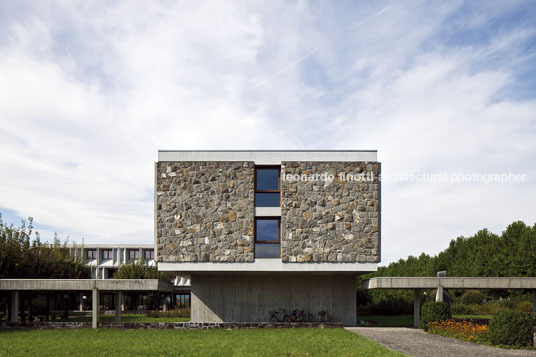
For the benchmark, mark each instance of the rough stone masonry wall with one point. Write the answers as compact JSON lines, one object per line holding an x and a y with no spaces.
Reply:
{"x":330,"y":222}
{"x":205,"y":211}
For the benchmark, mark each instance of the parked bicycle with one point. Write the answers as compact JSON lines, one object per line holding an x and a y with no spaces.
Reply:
{"x":322,"y":316}
{"x":280,"y":315}
{"x":302,"y":316}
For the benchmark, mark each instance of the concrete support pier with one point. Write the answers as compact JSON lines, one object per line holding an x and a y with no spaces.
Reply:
{"x":416,"y":307}
{"x":250,"y":297}
{"x":95,"y":308}
{"x":117,"y":303}
{"x":14,"y":316}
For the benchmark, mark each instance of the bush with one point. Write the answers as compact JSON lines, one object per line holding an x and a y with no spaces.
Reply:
{"x":472,"y":297}
{"x":462,"y":309}
{"x":486,"y":309}
{"x":184,"y":312}
{"x":433,"y":311}
{"x":524,"y":306}
{"x":387,"y":307}
{"x":510,"y":327}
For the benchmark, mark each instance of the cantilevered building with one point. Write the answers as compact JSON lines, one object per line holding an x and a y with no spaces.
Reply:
{"x":264,"y":230}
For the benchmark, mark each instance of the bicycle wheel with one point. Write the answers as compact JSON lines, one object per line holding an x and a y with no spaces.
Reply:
{"x":273,"y":319}
{"x":286,"y":318}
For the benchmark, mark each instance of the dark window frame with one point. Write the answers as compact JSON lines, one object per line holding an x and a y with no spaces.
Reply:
{"x":278,"y":231}
{"x":133,"y":251}
{"x":272,"y":167}
{"x":261,"y":167}
{"x":93,"y":254}
{"x":110,"y":256}
{"x":145,"y":251}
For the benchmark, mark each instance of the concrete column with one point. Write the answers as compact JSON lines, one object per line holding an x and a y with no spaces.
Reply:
{"x":439,"y":294}
{"x":81,"y":301}
{"x":533,"y":301}
{"x":118,"y":300}
{"x":416,"y":308}
{"x":14,"y":306}
{"x":95,"y":310}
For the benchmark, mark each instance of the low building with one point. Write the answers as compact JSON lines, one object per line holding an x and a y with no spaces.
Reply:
{"x":105,"y":259}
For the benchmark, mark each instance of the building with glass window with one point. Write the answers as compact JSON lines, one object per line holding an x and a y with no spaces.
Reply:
{"x":105,"y":259}
{"x":264,"y":230}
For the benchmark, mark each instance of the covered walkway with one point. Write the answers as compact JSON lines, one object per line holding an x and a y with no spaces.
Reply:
{"x":465,"y":283}
{"x":118,"y":286}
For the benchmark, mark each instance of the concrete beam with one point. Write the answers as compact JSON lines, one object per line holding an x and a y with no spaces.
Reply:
{"x":269,"y":157}
{"x":416,"y":308}
{"x":481,"y":283}
{"x":95,"y":309}
{"x":268,"y":266}
{"x":86,"y":284}
{"x":14,"y":307}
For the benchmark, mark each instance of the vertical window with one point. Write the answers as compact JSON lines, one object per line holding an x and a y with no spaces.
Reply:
{"x":267,"y":186}
{"x":133,"y":254}
{"x":106,"y":254}
{"x":91,"y":254}
{"x":148,"y":254}
{"x":267,"y":237}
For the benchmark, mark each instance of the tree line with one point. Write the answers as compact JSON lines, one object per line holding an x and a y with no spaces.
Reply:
{"x":23,"y":256}
{"x":485,"y":254}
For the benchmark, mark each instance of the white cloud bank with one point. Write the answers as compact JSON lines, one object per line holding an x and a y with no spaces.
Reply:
{"x":89,"y":92}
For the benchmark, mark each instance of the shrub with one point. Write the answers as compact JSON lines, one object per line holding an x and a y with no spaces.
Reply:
{"x":486,"y":309}
{"x":183,"y":312}
{"x":472,"y":297}
{"x":524,"y":306}
{"x":510,"y":327}
{"x":462,"y":309}
{"x":463,"y":330}
{"x":433,"y":311}
{"x":387,"y":307}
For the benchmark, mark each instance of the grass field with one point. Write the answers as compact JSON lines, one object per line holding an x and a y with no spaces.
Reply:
{"x":257,"y":342}
{"x":127,"y":318}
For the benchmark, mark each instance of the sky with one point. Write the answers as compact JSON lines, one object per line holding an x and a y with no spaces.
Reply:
{"x":90,"y":91}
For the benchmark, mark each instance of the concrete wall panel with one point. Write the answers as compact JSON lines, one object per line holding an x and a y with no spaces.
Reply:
{"x":249,"y":298}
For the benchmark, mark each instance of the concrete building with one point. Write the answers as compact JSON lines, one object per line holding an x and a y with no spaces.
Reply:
{"x":265,"y":230}
{"x":105,"y":259}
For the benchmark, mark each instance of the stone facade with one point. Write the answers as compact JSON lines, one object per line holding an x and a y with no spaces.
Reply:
{"x":330,"y":221}
{"x":205,"y":211}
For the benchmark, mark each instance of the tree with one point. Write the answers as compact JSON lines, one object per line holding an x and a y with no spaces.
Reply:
{"x":23,"y":257}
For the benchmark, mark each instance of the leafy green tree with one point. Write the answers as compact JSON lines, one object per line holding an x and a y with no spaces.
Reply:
{"x":139,"y":269}
{"x":23,"y":257}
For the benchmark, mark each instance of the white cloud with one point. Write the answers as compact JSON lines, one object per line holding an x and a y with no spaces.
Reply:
{"x":90,"y":91}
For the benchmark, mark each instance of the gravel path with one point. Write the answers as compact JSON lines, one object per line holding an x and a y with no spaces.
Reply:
{"x":414,"y":342}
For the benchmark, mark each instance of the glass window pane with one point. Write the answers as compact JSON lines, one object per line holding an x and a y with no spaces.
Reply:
{"x":267,"y":200}
{"x":267,"y":179}
{"x":267,"y":230}
{"x":267,"y":251}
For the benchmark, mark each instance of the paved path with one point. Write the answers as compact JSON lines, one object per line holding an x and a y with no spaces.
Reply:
{"x":414,"y":342}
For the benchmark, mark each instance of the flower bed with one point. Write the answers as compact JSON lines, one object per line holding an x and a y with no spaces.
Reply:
{"x":462,"y":330}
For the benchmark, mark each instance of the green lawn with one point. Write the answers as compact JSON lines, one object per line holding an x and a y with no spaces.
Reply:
{"x":255,"y":342}
{"x":127,"y":318}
